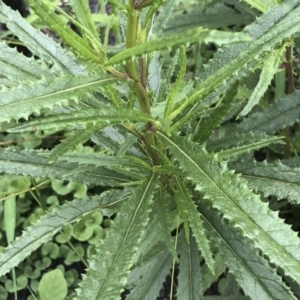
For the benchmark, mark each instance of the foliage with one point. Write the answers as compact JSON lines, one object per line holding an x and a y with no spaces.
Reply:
{"x":161,"y":115}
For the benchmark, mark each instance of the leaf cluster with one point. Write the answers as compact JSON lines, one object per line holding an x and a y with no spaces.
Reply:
{"x":173,"y":145}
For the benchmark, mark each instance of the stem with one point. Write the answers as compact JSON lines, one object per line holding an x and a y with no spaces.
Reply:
{"x":138,"y":88}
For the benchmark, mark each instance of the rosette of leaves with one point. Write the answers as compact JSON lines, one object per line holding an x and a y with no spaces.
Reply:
{"x":167,"y":151}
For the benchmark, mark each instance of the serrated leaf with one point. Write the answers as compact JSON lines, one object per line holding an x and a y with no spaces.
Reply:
{"x":269,"y":69}
{"x":149,"y":277}
{"x":73,"y":140}
{"x":31,"y":163}
{"x":83,"y":15}
{"x":234,"y":139}
{"x":189,"y":36}
{"x":247,"y":148}
{"x":271,"y":178}
{"x":56,"y":24}
{"x":161,"y":20}
{"x":48,"y":225}
{"x":108,"y":270}
{"x":189,"y":278}
{"x":83,"y":118}
{"x":261,"y":5}
{"x":214,"y":120}
{"x":227,"y":193}
{"x":18,"y":67}
{"x":98,"y":160}
{"x":25,"y":99}
{"x":39,"y":43}
{"x":251,"y":270}
{"x":268,"y":120}
{"x":235,"y":61}
{"x":179,"y":80}
{"x":161,"y":208}
{"x":208,"y":18}
{"x":188,"y":208}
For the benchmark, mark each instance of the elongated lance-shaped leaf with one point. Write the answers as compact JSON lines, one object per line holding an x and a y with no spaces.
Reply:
{"x":17,"y":67}
{"x":261,"y":5}
{"x":271,"y":178}
{"x":268,"y":120}
{"x":38,"y":43}
{"x":31,"y":163}
{"x":189,"y":278}
{"x":108,"y":270}
{"x":82,"y":118}
{"x":152,"y":234}
{"x":235,"y":61}
{"x":236,"y":140}
{"x":105,"y":160}
{"x":239,"y":150}
{"x":25,"y":99}
{"x":165,"y":81}
{"x":148,"y":278}
{"x":161,"y":20}
{"x":178,"y":82}
{"x":83,"y":15}
{"x":73,"y":140}
{"x":269,"y":69}
{"x":164,"y":222}
{"x":208,"y":18}
{"x":56,"y":24}
{"x":48,"y":225}
{"x":253,"y":272}
{"x":196,"y":35}
{"x":214,"y":120}
{"x":227,"y":193}
{"x":187,"y":207}
{"x":129,"y":142}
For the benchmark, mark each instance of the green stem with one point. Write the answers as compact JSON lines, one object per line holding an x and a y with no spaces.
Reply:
{"x":138,"y":88}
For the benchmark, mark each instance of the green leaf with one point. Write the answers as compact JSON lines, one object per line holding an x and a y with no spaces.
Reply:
{"x":148,"y":278}
{"x":53,"y":285}
{"x":215,"y":119}
{"x":187,"y":207}
{"x":108,"y":270}
{"x":237,"y":140}
{"x":189,"y":278}
{"x":160,"y":206}
{"x":235,"y":61}
{"x":208,"y":18}
{"x":179,"y":80}
{"x":196,"y":35}
{"x":227,"y":193}
{"x":271,"y":179}
{"x":25,"y":99}
{"x":152,"y":234}
{"x":248,"y":147}
{"x":97,"y":160}
{"x":83,"y":118}
{"x":161,"y":20}
{"x":261,"y":5}
{"x":83,"y":15}
{"x":251,"y":270}
{"x":48,"y":225}
{"x":31,"y":163}
{"x":18,"y":67}
{"x":73,"y":140}
{"x":270,"y":67}
{"x":39,"y":43}
{"x":268,"y":120}
{"x":56,"y":24}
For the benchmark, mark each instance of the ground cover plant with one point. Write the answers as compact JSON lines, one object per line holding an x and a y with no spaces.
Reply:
{"x":178,"y":123}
